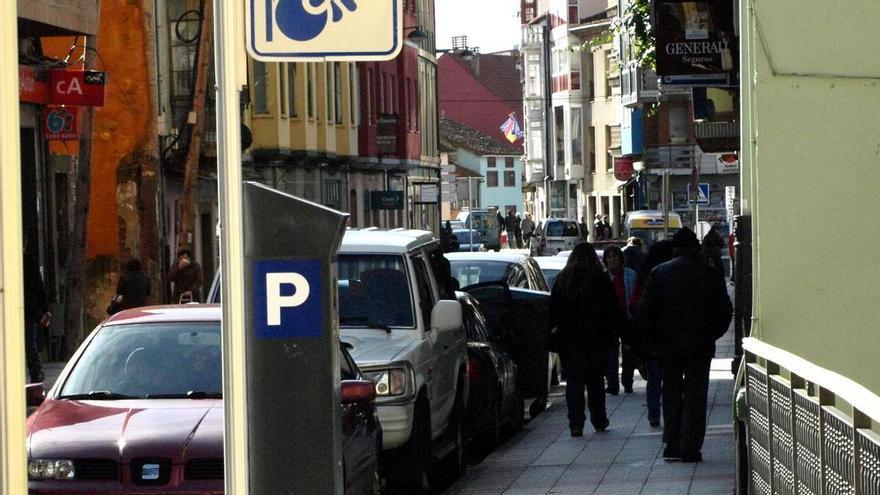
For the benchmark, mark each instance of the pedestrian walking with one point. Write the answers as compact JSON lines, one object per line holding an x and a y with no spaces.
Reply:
{"x":621,"y":355}
{"x":186,"y":275}
{"x":633,"y":254}
{"x":36,"y":314}
{"x":585,"y":229}
{"x":660,"y":252}
{"x":518,"y":232}
{"x":585,"y":316}
{"x":684,"y":309}
{"x":510,"y":225}
{"x":528,"y":229}
{"x":133,"y":287}
{"x":597,"y":225}
{"x":711,"y":249}
{"x":603,"y":230}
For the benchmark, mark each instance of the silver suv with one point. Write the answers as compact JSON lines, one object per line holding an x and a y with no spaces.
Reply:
{"x":399,"y":314}
{"x":556,"y":234}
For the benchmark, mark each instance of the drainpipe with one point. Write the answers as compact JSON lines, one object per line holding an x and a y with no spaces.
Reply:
{"x":549,"y":164}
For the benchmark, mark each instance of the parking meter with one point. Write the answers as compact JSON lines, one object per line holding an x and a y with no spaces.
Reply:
{"x":292,"y":343}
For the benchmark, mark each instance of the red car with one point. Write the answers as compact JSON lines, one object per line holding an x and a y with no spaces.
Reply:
{"x":139,"y":409}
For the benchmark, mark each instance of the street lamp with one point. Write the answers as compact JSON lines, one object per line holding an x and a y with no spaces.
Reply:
{"x":417,"y":34}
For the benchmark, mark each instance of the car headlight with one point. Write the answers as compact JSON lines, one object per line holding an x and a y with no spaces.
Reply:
{"x":51,"y":469}
{"x":389,"y":382}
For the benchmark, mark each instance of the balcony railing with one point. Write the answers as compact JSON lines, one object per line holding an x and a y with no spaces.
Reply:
{"x":716,"y":137}
{"x":798,"y":440}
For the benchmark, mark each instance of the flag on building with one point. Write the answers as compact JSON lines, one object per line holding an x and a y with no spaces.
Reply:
{"x":511,"y":129}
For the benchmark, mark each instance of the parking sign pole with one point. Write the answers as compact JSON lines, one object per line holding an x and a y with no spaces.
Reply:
{"x":228,"y":40}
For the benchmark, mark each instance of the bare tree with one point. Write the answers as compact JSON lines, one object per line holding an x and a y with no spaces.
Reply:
{"x":196,"y":120}
{"x":75,"y":286}
{"x":148,"y":177}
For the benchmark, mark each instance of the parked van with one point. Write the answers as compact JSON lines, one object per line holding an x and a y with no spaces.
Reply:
{"x":486,"y":223}
{"x":650,"y":225}
{"x":555,"y":235}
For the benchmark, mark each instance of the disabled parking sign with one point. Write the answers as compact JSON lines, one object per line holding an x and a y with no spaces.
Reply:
{"x":316,"y":30}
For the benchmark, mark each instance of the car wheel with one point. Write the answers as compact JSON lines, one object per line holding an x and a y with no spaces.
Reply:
{"x":537,"y":407}
{"x":413,"y":460}
{"x":376,"y":485}
{"x":454,"y":465}
{"x":518,"y":419}
{"x":555,"y":376}
{"x":494,"y":432}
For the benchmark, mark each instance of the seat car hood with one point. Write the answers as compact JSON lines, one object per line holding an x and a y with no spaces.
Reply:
{"x":177,"y":429}
{"x":376,"y":346}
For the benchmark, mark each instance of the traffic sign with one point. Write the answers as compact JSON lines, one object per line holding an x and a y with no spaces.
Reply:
{"x":702,"y":196}
{"x":287,"y":299}
{"x":311,"y":30}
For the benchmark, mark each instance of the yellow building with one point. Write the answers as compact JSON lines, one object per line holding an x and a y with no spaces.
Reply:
{"x":304,"y":120}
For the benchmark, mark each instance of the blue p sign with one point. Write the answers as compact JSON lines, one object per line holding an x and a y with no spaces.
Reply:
{"x":287,"y":299}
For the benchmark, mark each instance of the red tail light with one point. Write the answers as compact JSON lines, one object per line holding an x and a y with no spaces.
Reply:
{"x":473,"y":369}
{"x":357,"y":390}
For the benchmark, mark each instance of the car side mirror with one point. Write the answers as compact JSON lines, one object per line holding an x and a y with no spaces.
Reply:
{"x":446,"y":316}
{"x":34,"y":394}
{"x":357,"y":391}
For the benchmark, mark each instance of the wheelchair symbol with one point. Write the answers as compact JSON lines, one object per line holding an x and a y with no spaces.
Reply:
{"x":303,"y":20}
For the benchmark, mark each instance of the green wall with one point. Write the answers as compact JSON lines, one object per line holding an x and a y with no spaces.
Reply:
{"x":811,"y":152}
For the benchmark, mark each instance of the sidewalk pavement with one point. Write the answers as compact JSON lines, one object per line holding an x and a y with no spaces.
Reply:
{"x":627,"y":459}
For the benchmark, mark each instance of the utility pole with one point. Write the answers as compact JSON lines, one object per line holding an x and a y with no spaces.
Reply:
{"x":196,"y":120}
{"x":148,"y":189}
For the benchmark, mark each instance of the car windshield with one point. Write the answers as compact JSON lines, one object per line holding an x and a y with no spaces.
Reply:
{"x":470,"y":272}
{"x":562,"y":229}
{"x":374,"y":290}
{"x":650,"y":236}
{"x":153,"y":360}
{"x":466,"y":236}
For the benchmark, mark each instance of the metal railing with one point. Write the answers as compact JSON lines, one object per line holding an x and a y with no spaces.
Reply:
{"x":799,"y":442}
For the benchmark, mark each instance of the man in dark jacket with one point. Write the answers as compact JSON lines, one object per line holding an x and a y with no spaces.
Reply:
{"x":511,"y":224}
{"x":36,"y":314}
{"x":683,"y":310}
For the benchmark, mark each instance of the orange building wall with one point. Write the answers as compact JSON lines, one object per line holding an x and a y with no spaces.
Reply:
{"x":123,"y":124}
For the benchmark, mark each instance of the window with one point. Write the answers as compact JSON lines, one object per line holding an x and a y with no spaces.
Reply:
{"x":329,"y":91}
{"x":508,"y":162}
{"x":575,"y":80}
{"x":261,"y":91}
{"x":608,"y":161}
{"x":337,"y":91}
{"x":331,"y":195}
{"x":310,"y":90}
{"x":592,"y":145}
{"x":282,"y":75}
{"x":368,"y":100}
{"x":509,"y":178}
{"x":491,"y":178}
{"x":291,"y":90}
{"x":353,"y":94}
{"x":577,"y":138}
{"x":426,"y":297}
{"x":573,"y":14}
{"x":381,"y":89}
{"x":490,"y":161}
{"x":559,"y":114}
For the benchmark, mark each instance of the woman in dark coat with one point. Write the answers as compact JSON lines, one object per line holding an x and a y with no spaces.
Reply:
{"x":585,"y":311}
{"x":134,"y":286}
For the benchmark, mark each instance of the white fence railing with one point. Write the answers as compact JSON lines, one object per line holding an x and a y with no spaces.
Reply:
{"x":799,"y":442}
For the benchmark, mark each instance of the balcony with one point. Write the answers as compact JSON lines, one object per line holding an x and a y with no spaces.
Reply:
{"x":534,"y":171}
{"x":675,"y":156}
{"x":637,"y":86}
{"x":715,"y":137}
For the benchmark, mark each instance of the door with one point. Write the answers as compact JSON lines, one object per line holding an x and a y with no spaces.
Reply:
{"x":518,"y":321}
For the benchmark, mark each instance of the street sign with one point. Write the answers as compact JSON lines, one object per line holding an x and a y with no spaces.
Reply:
{"x":59,"y":124}
{"x":386,"y":200}
{"x":702,"y":198}
{"x":311,"y":30}
{"x":79,"y":88}
{"x":282,"y":306}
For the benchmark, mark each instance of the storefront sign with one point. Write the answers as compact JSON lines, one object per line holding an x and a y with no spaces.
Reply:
{"x":695,"y":37}
{"x":430,"y":193}
{"x":77,"y":87}
{"x":386,"y":133}
{"x":31,"y":89}
{"x":386,"y":200}
{"x":728,"y":163}
{"x":623,"y":167}
{"x":60,"y":124}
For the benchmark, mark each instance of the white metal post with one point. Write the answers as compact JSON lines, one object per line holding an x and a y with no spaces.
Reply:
{"x":13,"y":469}
{"x":228,"y":42}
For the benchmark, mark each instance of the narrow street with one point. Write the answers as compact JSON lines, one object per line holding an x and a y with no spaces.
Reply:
{"x":627,"y":459}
